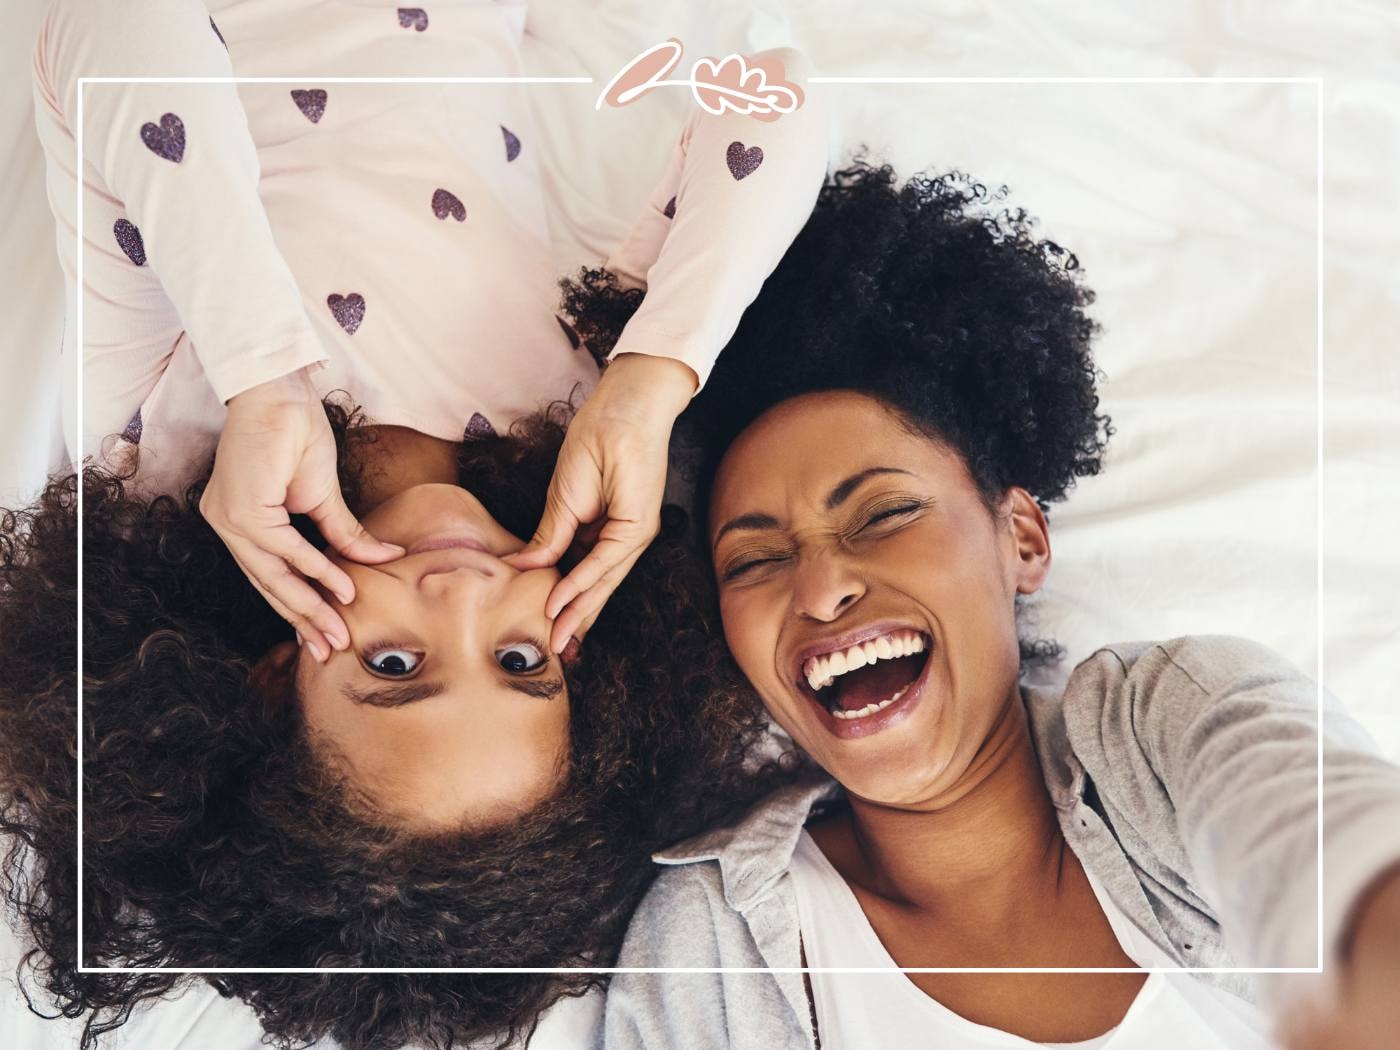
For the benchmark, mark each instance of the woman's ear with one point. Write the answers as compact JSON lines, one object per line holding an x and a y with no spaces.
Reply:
{"x":273,"y":677}
{"x":1030,"y":534}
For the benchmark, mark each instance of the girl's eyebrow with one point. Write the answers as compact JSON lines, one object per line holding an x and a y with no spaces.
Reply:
{"x":540,"y":688}
{"x":394,"y":695}
{"x":398,"y":695}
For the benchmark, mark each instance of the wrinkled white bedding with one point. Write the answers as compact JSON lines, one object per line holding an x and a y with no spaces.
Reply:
{"x":1192,"y":208}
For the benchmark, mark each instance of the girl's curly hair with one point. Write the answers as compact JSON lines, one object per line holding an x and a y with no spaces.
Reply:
{"x":926,"y":297}
{"x":214,"y":834}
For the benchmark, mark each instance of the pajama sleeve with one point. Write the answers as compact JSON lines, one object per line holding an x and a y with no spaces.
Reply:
{"x":736,"y":192}
{"x":179,"y":159}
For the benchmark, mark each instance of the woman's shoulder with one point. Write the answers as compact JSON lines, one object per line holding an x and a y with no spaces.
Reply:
{"x":704,"y":914}
{"x":712,"y":885}
{"x":1205,"y":663}
{"x":682,"y":920}
{"x":1141,"y":697}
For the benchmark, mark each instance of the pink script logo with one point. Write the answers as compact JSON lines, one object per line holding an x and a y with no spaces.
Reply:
{"x":756,"y":87}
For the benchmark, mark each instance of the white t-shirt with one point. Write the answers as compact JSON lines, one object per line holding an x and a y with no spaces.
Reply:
{"x":872,"y":1010}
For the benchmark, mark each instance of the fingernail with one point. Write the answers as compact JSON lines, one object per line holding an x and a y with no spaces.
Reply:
{"x":395,"y":547}
{"x":345,"y":597}
{"x":335,"y":639}
{"x":317,"y":652}
{"x":300,"y":641}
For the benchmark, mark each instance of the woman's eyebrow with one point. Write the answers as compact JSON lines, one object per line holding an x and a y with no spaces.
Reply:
{"x":838,"y":496}
{"x":855,"y":481}
{"x":394,"y":695}
{"x":746,"y":521}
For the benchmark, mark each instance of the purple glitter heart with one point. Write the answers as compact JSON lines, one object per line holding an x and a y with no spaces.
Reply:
{"x":743,"y":162}
{"x":167,"y":140}
{"x":348,"y":310}
{"x":311,"y":103}
{"x":218,"y":34}
{"x":512,"y":143}
{"x":478,"y":427}
{"x":129,"y":241}
{"x":413,"y":18}
{"x":670,"y":209}
{"x":574,"y":340}
{"x":445,"y":204}
{"x":132,"y":433}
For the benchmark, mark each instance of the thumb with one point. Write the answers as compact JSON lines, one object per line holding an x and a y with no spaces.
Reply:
{"x":551,"y":539}
{"x":345,"y":533}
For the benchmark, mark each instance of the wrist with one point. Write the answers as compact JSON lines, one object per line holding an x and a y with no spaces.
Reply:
{"x":1372,"y":943}
{"x":661,"y":387}
{"x":293,"y":387}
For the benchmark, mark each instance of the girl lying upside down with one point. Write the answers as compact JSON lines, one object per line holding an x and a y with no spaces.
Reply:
{"x":444,"y":794}
{"x":430,"y":778}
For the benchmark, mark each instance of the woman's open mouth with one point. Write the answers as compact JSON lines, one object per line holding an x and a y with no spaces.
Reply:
{"x":868,"y":685}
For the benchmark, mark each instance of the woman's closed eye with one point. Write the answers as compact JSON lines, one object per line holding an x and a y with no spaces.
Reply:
{"x":748,"y":560}
{"x":885,"y":511}
{"x":888,"y":510}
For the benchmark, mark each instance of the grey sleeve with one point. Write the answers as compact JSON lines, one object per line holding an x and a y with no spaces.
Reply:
{"x":1225,"y":731}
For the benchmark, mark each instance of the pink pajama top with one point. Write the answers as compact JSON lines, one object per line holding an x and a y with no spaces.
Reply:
{"x":392,"y":235}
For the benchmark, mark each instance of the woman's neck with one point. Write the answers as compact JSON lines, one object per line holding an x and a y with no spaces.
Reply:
{"x":989,"y":850}
{"x":398,"y":458}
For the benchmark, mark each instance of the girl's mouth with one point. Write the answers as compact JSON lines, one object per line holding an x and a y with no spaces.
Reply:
{"x":870,"y":685}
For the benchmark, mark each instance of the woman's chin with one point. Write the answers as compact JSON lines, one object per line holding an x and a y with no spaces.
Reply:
{"x":901,"y":774}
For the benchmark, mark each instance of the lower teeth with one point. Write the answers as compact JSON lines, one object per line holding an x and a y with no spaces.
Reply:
{"x":869,"y":709}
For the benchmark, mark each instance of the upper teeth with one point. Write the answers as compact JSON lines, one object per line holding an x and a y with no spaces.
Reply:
{"x":821,"y":671}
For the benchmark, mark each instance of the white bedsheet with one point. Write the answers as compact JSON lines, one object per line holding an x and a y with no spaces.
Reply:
{"x":1192,"y":208}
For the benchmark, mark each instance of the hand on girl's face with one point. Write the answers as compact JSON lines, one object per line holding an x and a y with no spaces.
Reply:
{"x":276,"y":457}
{"x":607,"y":487}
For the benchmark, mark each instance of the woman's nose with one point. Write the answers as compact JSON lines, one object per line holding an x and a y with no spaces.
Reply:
{"x":825,"y":585}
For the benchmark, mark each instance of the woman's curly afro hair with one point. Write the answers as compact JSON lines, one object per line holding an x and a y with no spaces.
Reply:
{"x":216,"y":836}
{"x":926,"y":296}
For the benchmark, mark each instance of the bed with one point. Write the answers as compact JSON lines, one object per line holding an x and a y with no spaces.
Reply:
{"x":1192,"y":208}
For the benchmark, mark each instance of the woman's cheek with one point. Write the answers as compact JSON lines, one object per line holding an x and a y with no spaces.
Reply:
{"x":745,"y":630}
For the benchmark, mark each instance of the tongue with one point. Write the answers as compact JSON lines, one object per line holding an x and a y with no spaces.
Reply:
{"x":874,"y":684}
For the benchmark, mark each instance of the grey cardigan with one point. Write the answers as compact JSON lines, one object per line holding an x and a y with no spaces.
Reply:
{"x":1184,"y":775}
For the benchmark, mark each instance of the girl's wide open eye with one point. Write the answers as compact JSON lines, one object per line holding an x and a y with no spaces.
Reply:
{"x":522,"y":657}
{"x":392,"y":662}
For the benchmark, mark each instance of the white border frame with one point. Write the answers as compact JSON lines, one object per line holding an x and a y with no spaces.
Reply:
{"x":1315,"y":81}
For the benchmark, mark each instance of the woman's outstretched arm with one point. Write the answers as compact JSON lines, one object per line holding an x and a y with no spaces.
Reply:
{"x":1213,"y":745}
